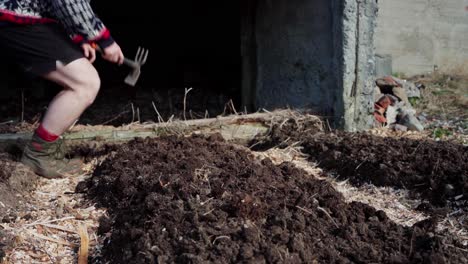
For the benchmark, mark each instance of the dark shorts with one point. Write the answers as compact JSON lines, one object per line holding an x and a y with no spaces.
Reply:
{"x":37,"y":48}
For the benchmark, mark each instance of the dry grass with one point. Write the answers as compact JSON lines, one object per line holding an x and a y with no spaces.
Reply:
{"x":444,"y":94}
{"x":444,"y":102}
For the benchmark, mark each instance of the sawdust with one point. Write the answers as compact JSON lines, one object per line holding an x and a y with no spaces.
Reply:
{"x":385,"y":132}
{"x":49,"y":231}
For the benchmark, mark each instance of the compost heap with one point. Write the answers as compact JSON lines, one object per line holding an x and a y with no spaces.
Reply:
{"x":431,"y":170}
{"x":202,"y":200}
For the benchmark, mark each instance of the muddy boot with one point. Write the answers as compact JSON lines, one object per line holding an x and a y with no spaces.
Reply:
{"x":41,"y":157}
{"x":73,"y":164}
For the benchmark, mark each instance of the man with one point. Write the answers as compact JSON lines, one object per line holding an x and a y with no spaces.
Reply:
{"x":54,"y":39}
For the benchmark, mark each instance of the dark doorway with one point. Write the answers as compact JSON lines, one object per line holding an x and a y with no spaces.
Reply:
{"x":192,"y":44}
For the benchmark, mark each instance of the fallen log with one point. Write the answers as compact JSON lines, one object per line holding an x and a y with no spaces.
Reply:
{"x":238,"y":128}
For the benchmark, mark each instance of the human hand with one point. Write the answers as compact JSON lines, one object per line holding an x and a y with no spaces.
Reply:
{"x":89,"y":52}
{"x":113,"y":53}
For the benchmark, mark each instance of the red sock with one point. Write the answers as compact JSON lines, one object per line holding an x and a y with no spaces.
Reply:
{"x":46,"y":135}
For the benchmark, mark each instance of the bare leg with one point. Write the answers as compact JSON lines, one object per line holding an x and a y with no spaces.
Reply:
{"x":81,"y":85}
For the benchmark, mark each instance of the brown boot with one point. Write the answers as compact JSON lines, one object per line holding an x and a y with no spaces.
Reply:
{"x":44,"y":158}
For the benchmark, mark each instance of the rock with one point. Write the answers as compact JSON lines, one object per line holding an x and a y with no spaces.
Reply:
{"x":410,"y":88}
{"x":398,"y":127}
{"x":422,"y":118}
{"x":408,"y":118}
{"x":391,"y":115}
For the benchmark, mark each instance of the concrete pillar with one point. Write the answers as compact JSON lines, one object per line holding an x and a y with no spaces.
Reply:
{"x":358,"y":63}
{"x":318,"y":55}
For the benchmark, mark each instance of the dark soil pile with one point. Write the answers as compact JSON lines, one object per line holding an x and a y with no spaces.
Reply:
{"x":437,"y":171}
{"x":196,"y":200}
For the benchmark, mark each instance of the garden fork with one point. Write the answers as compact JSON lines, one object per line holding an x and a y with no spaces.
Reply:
{"x":140,"y":60}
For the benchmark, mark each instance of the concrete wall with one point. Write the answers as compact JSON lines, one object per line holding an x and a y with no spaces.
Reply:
{"x":420,"y":34}
{"x":316,"y":54}
{"x":294,"y":54}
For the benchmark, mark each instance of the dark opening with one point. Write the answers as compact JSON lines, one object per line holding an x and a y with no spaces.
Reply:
{"x":192,"y":44}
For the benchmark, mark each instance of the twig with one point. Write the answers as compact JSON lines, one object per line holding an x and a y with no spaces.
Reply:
{"x":133,"y":114}
{"x":84,"y":246}
{"x":411,"y":244}
{"x":73,"y":125}
{"x":416,"y":149}
{"x":321,"y":209}
{"x":279,"y":253}
{"x":452,"y":246}
{"x":170,"y":119}
{"x":7,"y":122}
{"x":50,"y":221}
{"x":138,"y":115}
{"x":329,"y":216}
{"x":185,"y":100}
{"x":209,"y":212}
{"x":360,"y":164}
{"x":160,"y":119}
{"x":115,"y":118}
{"x":22,"y":105}
{"x":329,"y":127}
{"x":207,"y":201}
{"x":304,"y":210}
{"x":220,"y":237}
{"x":65,"y":243}
{"x":61,"y":228}
{"x":283,"y":123}
{"x":233,"y":108}
{"x":51,"y":258}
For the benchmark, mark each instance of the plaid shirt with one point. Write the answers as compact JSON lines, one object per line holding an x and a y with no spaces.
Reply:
{"x":76,"y":16}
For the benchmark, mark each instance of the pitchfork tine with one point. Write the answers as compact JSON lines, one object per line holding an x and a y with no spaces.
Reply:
{"x":146,"y":56}
{"x":142,"y":51}
{"x":137,"y":54}
{"x":142,"y":55}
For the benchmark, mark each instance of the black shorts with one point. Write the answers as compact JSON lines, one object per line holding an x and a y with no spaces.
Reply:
{"x":37,"y":48}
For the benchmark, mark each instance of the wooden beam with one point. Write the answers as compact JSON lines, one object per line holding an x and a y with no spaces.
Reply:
{"x":239,"y":128}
